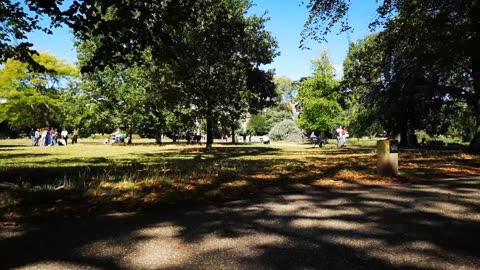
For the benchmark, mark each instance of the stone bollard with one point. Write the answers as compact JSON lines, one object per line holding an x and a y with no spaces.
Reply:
{"x":387,"y":157}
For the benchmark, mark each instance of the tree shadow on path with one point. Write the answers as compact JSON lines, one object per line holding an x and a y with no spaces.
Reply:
{"x":432,"y":225}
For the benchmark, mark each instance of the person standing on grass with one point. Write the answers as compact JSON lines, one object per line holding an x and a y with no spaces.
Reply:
{"x":43,"y":136}
{"x":37,"y":137}
{"x":65,"y":136}
{"x":321,"y":139}
{"x":32,"y":136}
{"x":47,"y":137}
{"x":75,"y":136}
{"x":53,"y":136}
{"x":344,"y":137}
{"x":338,"y":134}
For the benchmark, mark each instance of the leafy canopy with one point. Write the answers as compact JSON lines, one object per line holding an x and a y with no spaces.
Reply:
{"x":32,"y":99}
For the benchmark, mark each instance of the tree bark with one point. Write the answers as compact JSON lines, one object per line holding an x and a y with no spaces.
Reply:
{"x":130,"y":130}
{"x":209,"y":131}
{"x":404,"y":138}
{"x":158,"y":138}
{"x":45,"y":117}
{"x":233,"y":134}
{"x":474,"y":146}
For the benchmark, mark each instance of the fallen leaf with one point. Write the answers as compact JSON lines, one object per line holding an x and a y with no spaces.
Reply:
{"x":181,"y":246}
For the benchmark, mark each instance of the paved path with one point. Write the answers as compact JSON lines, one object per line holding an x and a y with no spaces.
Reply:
{"x":432,"y":225}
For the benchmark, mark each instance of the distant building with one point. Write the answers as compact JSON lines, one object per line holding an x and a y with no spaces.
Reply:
{"x":293,"y":107}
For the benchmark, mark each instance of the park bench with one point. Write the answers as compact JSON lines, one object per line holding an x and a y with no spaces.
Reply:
{"x":315,"y":140}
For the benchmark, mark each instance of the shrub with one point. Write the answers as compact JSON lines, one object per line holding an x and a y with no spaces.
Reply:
{"x":286,"y":130}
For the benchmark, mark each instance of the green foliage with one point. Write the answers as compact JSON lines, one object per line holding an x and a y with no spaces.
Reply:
{"x":257,"y":125}
{"x":400,"y":104}
{"x":221,"y":49}
{"x":16,"y":21}
{"x":286,"y":89}
{"x":319,"y":96}
{"x":360,"y":85}
{"x":203,"y":55}
{"x":276,"y":115}
{"x":319,"y":114}
{"x":429,"y":60}
{"x":322,"y":84}
{"x":288,"y":131}
{"x":118,"y":91}
{"x":33,"y":99}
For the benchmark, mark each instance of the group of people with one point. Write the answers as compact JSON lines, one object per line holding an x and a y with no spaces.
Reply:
{"x":117,"y":137}
{"x":341,"y":134}
{"x":193,"y":139}
{"x":321,"y":140}
{"x":51,"y":137}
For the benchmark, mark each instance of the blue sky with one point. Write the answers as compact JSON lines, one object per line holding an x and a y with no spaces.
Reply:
{"x":287,"y":18}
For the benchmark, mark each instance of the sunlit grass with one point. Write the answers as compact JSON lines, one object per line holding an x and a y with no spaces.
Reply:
{"x":118,"y":176}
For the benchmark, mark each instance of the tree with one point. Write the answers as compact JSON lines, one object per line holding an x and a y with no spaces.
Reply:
{"x":119,"y":95}
{"x":286,"y":89}
{"x":319,"y":97}
{"x":257,"y":125}
{"x":80,"y":112}
{"x":212,"y":47}
{"x":221,"y":51}
{"x":15,"y":23}
{"x":32,"y":98}
{"x":211,"y":69}
{"x":126,"y":27}
{"x":441,"y":35}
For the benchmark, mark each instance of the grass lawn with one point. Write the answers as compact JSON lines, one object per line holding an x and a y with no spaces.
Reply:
{"x":93,"y":177}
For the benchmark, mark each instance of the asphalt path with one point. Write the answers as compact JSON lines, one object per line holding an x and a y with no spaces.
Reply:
{"x":432,"y":224}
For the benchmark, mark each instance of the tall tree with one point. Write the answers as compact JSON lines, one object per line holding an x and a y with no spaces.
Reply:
{"x":15,"y":23}
{"x":446,"y":32}
{"x":362,"y":80}
{"x":210,"y":42}
{"x":286,"y":89}
{"x":32,"y":98}
{"x":319,"y":97}
{"x":219,"y":69}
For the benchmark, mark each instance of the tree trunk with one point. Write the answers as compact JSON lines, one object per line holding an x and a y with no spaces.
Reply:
{"x":233,"y":134}
{"x":473,"y":47}
{"x":45,"y":118}
{"x":209,"y":131}
{"x":474,"y":147}
{"x":475,"y":143}
{"x":404,"y":138}
{"x":158,"y":138}
{"x":130,"y":137}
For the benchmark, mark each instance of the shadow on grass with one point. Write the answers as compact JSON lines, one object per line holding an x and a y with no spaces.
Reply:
{"x":391,"y":227}
{"x":194,"y":175}
{"x":2,"y":146}
{"x":22,"y":155}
